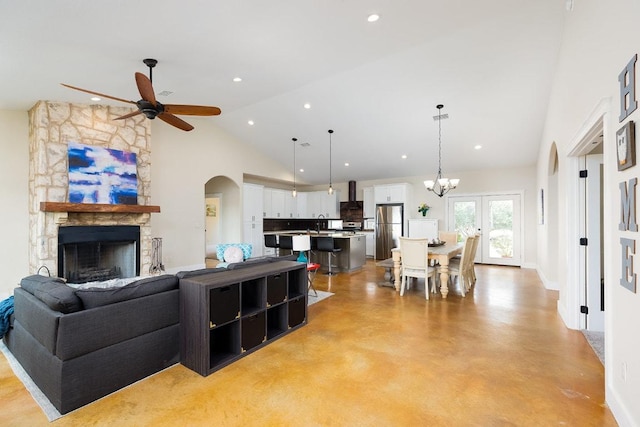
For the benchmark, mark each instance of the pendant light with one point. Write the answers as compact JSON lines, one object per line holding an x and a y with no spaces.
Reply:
{"x":330,"y":185}
{"x":441,"y":186}
{"x":294,"y":193}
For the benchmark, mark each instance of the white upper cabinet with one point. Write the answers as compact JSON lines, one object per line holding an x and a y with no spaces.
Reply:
{"x":302,"y":210}
{"x":369,"y":203}
{"x":392,"y":193}
{"x":267,"y":209}
{"x":290,"y":205}
{"x":252,"y":203}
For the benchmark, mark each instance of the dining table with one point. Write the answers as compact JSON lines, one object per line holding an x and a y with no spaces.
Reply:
{"x":441,"y":254}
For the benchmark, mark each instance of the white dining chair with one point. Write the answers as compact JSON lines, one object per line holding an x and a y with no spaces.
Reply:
{"x":460,"y":268}
{"x":414,"y":254}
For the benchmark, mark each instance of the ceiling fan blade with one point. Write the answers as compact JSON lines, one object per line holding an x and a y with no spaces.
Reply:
{"x":126,"y":116}
{"x":191,"y":110}
{"x":175,"y":121}
{"x":145,"y":88}
{"x":102,"y":95}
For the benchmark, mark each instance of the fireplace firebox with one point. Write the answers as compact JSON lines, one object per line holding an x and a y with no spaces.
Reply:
{"x":92,"y":253}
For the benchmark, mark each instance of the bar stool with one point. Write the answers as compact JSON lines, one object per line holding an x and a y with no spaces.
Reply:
{"x":327,"y":244}
{"x":271,"y":241}
{"x":312,"y":269}
{"x":285,"y":242}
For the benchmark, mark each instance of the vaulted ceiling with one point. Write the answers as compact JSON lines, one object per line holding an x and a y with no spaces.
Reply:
{"x":376,"y":84}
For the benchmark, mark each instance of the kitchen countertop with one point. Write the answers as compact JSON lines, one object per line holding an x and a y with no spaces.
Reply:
{"x":335,"y":234}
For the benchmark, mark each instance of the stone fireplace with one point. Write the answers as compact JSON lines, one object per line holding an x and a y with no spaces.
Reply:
{"x":52,"y":125}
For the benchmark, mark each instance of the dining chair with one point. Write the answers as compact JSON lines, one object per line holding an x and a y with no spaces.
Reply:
{"x":472,"y":257}
{"x":414,"y":254}
{"x":460,"y":268}
{"x":451,"y":237}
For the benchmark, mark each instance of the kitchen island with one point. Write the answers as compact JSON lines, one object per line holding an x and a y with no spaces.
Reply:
{"x":352,"y":256}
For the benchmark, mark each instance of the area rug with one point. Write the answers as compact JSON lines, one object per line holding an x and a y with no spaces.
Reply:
{"x":596,"y":341}
{"x":321,"y":295}
{"x":47,"y":407}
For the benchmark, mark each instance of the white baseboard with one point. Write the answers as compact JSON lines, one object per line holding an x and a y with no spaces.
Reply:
{"x":619,"y":409}
{"x":548,"y":284}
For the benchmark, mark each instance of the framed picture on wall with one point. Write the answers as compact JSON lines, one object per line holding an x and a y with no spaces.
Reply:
{"x":626,"y":146}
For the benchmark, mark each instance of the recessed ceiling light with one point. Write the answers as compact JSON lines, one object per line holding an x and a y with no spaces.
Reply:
{"x":404,"y":156}
{"x":373,"y":17}
{"x":307,"y":105}
{"x":237,"y":79}
{"x":346,"y":164}
{"x":301,"y":170}
{"x":250,"y":122}
{"x":95,"y":98}
{"x":477,"y":147}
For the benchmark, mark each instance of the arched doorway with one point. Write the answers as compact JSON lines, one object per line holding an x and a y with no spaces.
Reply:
{"x":222,"y":213}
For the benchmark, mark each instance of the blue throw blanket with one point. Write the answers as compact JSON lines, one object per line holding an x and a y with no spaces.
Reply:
{"x":6,"y":310}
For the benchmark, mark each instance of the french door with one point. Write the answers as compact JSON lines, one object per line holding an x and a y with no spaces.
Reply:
{"x":497,"y":218}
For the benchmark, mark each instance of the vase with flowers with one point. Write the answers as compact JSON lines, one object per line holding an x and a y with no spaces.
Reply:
{"x":423,"y":209}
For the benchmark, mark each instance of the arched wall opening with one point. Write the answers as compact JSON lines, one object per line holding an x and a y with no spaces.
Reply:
{"x":222,"y":213}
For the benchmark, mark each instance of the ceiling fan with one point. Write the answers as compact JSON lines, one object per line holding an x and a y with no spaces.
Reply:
{"x":151,"y":108}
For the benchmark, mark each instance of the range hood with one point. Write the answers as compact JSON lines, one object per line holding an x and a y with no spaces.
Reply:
{"x":353,"y":203}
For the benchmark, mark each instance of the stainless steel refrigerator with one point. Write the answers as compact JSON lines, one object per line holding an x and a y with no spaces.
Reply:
{"x":389,"y":220}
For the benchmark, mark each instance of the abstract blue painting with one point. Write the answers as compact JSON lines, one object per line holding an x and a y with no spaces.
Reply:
{"x":102,"y":175}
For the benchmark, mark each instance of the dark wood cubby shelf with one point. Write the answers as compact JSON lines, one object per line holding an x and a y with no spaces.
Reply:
{"x":96,"y":208}
{"x":227,"y":315}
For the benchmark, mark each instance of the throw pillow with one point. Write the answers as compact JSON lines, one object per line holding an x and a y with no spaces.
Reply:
{"x":233,"y":254}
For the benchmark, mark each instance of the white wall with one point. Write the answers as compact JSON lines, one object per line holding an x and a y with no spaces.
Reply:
{"x":14,"y":191}
{"x":600,"y":38}
{"x":181,"y":164}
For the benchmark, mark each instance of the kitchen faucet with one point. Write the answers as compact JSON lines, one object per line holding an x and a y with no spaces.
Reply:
{"x":318,"y":222}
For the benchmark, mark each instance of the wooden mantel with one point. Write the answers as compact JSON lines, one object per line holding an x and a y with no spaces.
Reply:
{"x":96,"y":208}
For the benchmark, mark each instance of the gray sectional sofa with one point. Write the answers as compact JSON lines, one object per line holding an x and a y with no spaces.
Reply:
{"x":80,"y":345}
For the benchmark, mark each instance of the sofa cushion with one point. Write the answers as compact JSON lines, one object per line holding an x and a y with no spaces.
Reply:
{"x":96,"y":297}
{"x":53,"y":292}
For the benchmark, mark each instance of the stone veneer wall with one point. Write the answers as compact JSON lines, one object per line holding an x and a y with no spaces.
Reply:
{"x":51,"y":126}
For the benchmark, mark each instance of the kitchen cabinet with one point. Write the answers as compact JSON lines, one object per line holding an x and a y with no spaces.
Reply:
{"x":370,"y":244}
{"x":274,"y":203}
{"x":227,"y":315}
{"x":302,"y":210}
{"x":391,"y":193}
{"x":267,"y":208}
{"x":369,"y":203}
{"x":253,"y":232}
{"x":252,"y":202}
{"x":290,"y":205}
{"x":252,"y":213}
{"x":323,"y":203}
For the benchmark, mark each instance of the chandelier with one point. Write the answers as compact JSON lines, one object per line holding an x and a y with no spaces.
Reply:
{"x":441,"y":186}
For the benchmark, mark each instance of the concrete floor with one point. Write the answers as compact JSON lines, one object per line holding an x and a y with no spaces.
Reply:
{"x":368,"y":357}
